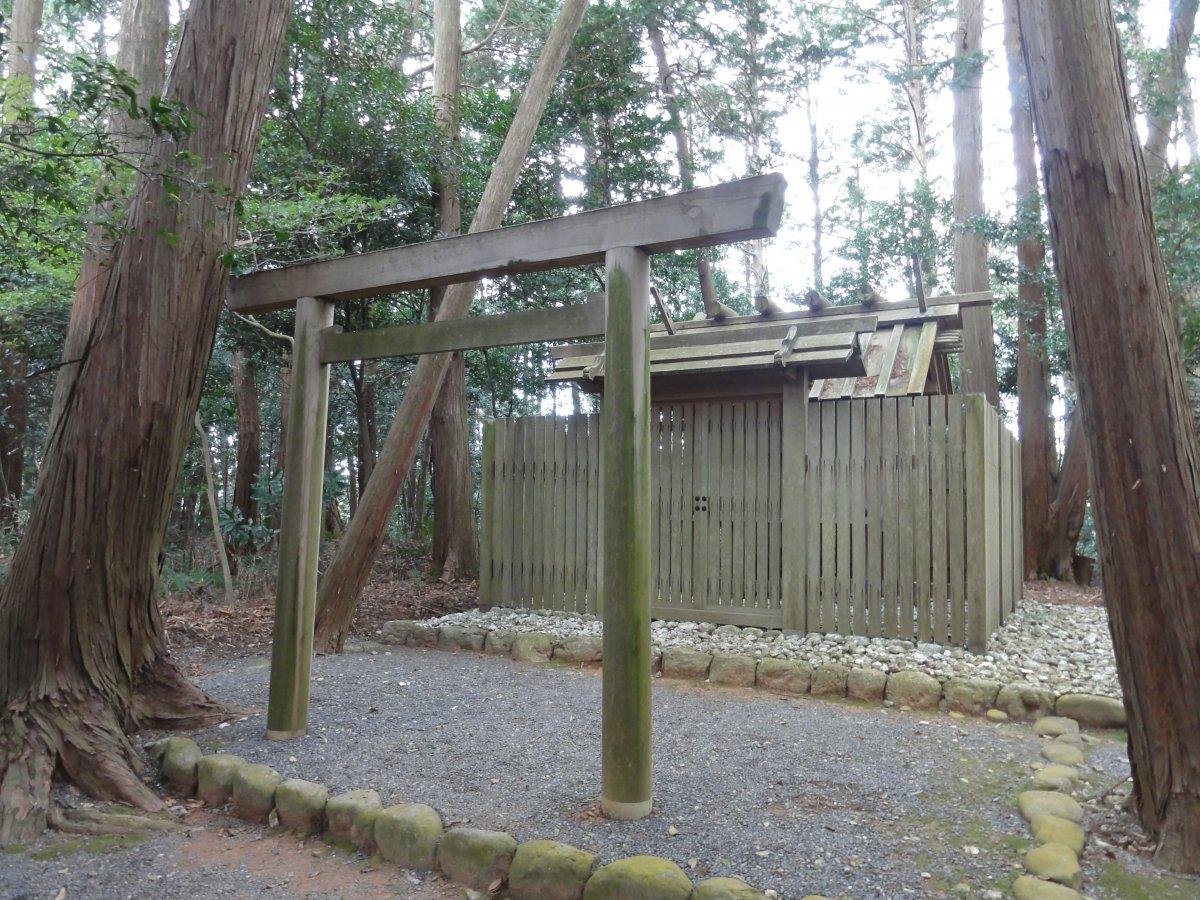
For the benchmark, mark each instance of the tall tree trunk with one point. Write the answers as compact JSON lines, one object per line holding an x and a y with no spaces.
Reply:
{"x":1033,"y":369}
{"x":82,"y":655}
{"x":347,"y":573}
{"x":285,"y":393}
{"x":141,"y":52}
{"x":814,"y":187}
{"x":214,"y":513}
{"x":684,"y":160}
{"x":918,"y":113}
{"x":362,"y":379}
{"x":753,"y":27}
{"x":249,"y":436}
{"x":455,"y":545}
{"x":1068,"y":504}
{"x":1142,"y":447}
{"x":970,"y":249}
{"x":21,"y":50}
{"x":21,"y":53}
{"x":1170,"y":87}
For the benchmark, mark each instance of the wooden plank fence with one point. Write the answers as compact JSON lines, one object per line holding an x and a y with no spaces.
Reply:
{"x":908,"y":521}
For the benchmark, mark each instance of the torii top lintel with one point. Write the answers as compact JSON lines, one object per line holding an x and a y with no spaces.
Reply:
{"x":724,"y":214}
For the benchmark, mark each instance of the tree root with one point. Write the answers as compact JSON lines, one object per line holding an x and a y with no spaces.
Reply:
{"x":163,"y":699}
{"x":96,"y":822}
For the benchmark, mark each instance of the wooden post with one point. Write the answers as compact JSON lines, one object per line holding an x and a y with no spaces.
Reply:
{"x":983,"y":507}
{"x":625,"y":554}
{"x":794,"y":503}
{"x":300,"y":531}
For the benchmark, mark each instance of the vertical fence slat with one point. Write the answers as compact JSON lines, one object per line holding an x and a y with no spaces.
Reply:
{"x":841,"y":486}
{"x":874,"y":492}
{"x":938,"y":502}
{"x":921,"y":518}
{"x":858,"y":518}
{"x":907,"y":490}
{"x":956,"y":517}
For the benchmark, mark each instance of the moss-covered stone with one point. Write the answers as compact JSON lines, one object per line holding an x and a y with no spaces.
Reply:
{"x":829,"y":680}
{"x":476,"y":858}
{"x":580,"y":650}
{"x":1055,"y":830}
{"x":214,"y":778}
{"x":1049,"y":803}
{"x":914,"y":689}
{"x":726,"y":889}
{"x":352,"y":817}
{"x":499,"y":642}
{"x":1055,"y":778}
{"x":639,"y":878}
{"x":1092,"y":709}
{"x":996,"y":715}
{"x":424,"y":635}
{"x":179,"y":757}
{"x":458,"y":637}
{"x":532,"y":648}
{"x":971,"y":696}
{"x":408,"y":834}
{"x":397,"y":631}
{"x":1062,"y":754}
{"x":254,"y":788}
{"x":300,"y":805}
{"x":548,"y":870}
{"x":1026,"y":887}
{"x":1056,"y":862}
{"x":1022,"y":700}
{"x":684,"y":662}
{"x":866,"y":684}
{"x":1054,"y":726}
{"x":787,"y":676}
{"x":732,"y":670}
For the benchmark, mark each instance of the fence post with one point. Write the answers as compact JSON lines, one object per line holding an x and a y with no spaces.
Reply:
{"x":625,"y":575}
{"x":793,"y":496}
{"x":487,"y":504}
{"x":983,"y":512}
{"x":300,"y":531}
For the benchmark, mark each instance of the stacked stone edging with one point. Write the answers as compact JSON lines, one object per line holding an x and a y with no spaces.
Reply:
{"x":1055,"y":818}
{"x":907,"y":688}
{"x":413,"y":836}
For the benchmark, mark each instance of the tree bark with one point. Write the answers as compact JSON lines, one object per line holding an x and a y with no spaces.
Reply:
{"x":978,"y":357}
{"x":814,"y":188}
{"x":14,"y":423}
{"x":82,"y":654}
{"x":455,"y":545}
{"x":347,"y":573}
{"x":141,"y":52}
{"x":21,"y":50}
{"x":1170,"y":88}
{"x":684,"y":160}
{"x":1064,"y":515}
{"x":1033,"y":369}
{"x":249,"y":437}
{"x":1142,"y":448}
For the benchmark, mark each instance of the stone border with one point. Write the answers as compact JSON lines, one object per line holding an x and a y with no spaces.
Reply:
{"x":412,"y":836}
{"x":1056,"y":819}
{"x":908,"y":688}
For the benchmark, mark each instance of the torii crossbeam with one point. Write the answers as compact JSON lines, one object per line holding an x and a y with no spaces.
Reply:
{"x":624,"y":238}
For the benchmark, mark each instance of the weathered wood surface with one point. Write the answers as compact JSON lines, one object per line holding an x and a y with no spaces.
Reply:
{"x":854,"y":516}
{"x":300,"y":531}
{"x":626,"y":539}
{"x":706,"y":217}
{"x":531,"y":326}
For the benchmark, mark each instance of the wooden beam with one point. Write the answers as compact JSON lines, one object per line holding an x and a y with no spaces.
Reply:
{"x":531,"y":326}
{"x":300,"y":528}
{"x":737,"y":211}
{"x":626,"y":579}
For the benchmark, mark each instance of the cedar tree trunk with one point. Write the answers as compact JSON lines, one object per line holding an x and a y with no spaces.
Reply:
{"x":249,"y":436}
{"x":1142,"y":447}
{"x":82,"y":656}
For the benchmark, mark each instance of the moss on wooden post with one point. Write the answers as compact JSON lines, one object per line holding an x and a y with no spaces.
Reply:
{"x":625,"y":574}
{"x":300,"y":531}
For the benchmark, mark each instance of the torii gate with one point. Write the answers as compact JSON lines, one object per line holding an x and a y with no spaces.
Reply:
{"x":624,"y":237}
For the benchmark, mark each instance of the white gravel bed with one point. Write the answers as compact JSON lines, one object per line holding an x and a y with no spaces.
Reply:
{"x":1065,"y":649}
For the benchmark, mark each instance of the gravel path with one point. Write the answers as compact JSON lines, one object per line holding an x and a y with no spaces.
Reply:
{"x":802,"y":796}
{"x":217,"y":858}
